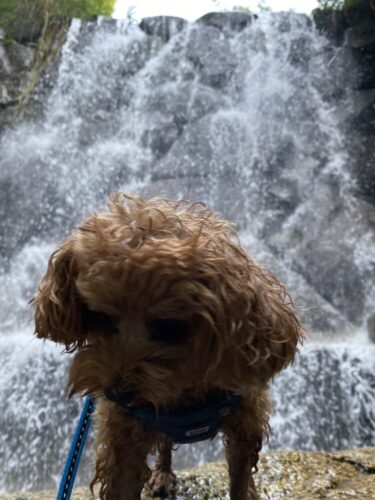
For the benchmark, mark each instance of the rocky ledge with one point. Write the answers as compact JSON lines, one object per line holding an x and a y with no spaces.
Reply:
{"x":282,"y":474}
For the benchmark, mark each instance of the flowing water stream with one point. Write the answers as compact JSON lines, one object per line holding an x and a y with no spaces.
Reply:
{"x":245,"y":118}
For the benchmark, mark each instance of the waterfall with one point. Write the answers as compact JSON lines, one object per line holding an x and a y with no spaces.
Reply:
{"x":240,"y":112}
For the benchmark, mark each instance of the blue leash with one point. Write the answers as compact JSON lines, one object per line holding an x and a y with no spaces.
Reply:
{"x":76,"y":448}
{"x":201,"y":422}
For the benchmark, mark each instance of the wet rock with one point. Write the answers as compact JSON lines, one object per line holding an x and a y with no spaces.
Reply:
{"x":108,"y":25}
{"x":213,"y":145}
{"x":364,"y":59}
{"x":212,"y":55}
{"x":361,"y":18}
{"x":227,"y":21}
{"x":332,"y":23}
{"x":224,"y":194}
{"x":297,"y":475}
{"x":169,"y":103}
{"x":15,"y":64}
{"x":163,"y":26}
{"x":371,"y":327}
{"x":204,"y":100}
{"x":160,"y":137}
{"x":15,"y":232}
{"x":327,"y":254}
{"x":334,"y":405}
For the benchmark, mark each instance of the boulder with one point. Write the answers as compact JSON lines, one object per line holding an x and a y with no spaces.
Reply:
{"x":371,"y":327}
{"x":162,"y":26}
{"x":361,"y":17}
{"x":282,"y":474}
{"x":16,"y":62}
{"x":336,"y":251}
{"x":332,"y":23}
{"x":227,"y":21}
{"x":212,"y":55}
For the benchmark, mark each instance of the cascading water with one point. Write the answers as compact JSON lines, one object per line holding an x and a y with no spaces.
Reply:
{"x":241,"y":113}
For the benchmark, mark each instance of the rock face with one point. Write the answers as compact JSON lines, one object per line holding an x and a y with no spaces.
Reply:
{"x":15,"y":65}
{"x":233,"y":110}
{"x":353,"y":31}
{"x":297,"y":475}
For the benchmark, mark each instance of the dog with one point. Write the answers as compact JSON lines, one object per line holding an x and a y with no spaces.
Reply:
{"x":168,"y":317}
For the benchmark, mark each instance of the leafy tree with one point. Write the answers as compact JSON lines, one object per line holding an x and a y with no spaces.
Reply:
{"x":34,"y":10}
{"x":83,"y":9}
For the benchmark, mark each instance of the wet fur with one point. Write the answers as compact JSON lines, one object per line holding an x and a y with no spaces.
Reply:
{"x":108,"y":285}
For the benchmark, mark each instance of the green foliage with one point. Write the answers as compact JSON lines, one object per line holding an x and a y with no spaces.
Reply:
{"x":360,"y":15}
{"x":13,"y":10}
{"x":241,"y":8}
{"x":83,"y":9}
{"x":131,"y":14}
{"x":357,"y":3}
{"x":261,"y":7}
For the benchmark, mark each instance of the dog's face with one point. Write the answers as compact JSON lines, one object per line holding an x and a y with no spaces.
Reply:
{"x":159,"y":298}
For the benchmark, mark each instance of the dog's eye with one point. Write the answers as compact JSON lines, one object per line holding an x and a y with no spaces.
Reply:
{"x":169,"y":330}
{"x":96,"y":321}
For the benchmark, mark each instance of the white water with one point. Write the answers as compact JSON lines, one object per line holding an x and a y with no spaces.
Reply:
{"x":246,"y":123}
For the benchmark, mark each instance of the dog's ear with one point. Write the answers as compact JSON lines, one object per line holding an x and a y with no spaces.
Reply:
{"x":57,"y":306}
{"x":280,"y":330}
{"x":270,"y":332}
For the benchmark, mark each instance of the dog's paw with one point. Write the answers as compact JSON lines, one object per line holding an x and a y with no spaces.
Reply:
{"x":162,"y":484}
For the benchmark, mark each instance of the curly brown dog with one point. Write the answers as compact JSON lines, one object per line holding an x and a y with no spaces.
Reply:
{"x":167,"y":314}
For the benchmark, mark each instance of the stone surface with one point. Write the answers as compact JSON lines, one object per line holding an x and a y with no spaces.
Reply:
{"x":162,"y":26}
{"x":361,"y":17}
{"x":211,"y":54}
{"x":227,"y":21}
{"x":332,"y":23}
{"x":338,"y":224}
{"x":15,"y":65}
{"x":371,"y":327}
{"x":282,"y":474}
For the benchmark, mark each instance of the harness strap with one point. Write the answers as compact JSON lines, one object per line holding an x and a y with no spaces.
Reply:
{"x":76,"y":448}
{"x":183,"y":424}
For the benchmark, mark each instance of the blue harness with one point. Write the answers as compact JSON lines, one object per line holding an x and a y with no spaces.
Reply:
{"x":186,"y":423}
{"x":183,"y":424}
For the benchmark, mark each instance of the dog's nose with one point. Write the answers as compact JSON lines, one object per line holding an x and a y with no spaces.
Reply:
{"x":168,"y":330}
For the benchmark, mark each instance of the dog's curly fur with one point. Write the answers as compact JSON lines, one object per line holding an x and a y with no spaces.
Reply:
{"x":109,"y":289}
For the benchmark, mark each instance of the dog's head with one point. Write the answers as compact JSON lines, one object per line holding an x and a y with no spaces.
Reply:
{"x":160,"y":297}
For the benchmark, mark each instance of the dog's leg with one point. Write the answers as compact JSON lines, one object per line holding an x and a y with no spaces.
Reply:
{"x":122,"y":448}
{"x":130,"y":472}
{"x":163,"y":480}
{"x":242,"y":456}
{"x":244,"y":432}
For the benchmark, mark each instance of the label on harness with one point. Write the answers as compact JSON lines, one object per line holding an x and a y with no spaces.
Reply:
{"x":197,"y":432}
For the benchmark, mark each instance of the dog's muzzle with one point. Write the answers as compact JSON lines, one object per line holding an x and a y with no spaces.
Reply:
{"x":185,"y":423}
